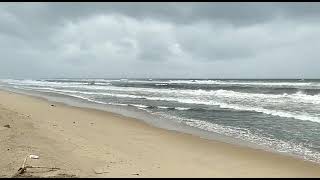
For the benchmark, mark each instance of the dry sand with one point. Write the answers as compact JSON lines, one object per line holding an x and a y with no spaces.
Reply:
{"x":92,"y":143}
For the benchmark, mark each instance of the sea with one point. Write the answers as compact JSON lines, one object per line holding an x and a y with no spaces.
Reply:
{"x":278,"y":115}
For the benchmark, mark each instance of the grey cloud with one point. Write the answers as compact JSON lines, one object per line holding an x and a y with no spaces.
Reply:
{"x":194,"y":40}
{"x":235,"y":13}
{"x":241,"y":13}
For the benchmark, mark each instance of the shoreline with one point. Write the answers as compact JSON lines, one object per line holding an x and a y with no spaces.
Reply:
{"x":81,"y":103}
{"x":103,"y":144}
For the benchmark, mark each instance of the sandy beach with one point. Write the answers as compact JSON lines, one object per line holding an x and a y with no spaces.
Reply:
{"x":92,"y":143}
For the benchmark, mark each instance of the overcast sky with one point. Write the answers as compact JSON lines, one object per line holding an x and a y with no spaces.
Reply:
{"x":160,"y":40}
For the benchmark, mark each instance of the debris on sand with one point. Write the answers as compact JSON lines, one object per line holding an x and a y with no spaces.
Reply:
{"x":7,"y":126}
{"x":52,"y":105}
{"x":33,"y":156}
{"x":100,"y":170}
{"x":22,"y":172}
{"x":60,"y":175}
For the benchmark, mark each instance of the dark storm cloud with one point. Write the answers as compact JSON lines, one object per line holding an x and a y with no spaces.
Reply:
{"x":242,"y":13}
{"x":159,"y":39}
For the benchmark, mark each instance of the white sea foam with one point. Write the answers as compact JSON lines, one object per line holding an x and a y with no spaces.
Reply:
{"x":263,"y":83}
{"x":139,"y":105}
{"x":161,"y":84}
{"x":232,"y":82}
{"x":182,"y":108}
{"x":297,"y":97}
{"x":223,"y":98}
{"x":280,"y":113}
{"x":203,"y":82}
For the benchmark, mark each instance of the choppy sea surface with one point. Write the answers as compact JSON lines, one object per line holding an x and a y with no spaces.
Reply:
{"x":281,"y":115}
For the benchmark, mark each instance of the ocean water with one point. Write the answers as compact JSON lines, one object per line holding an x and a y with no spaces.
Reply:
{"x":281,"y":115}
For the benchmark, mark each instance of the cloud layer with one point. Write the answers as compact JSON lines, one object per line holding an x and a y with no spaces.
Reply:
{"x":160,"y":40}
